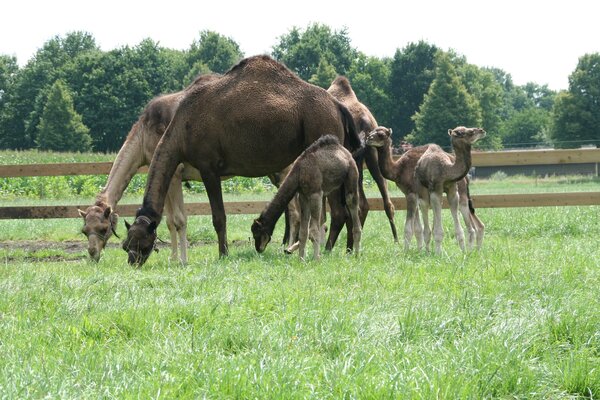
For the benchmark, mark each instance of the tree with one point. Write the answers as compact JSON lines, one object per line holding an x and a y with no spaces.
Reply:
{"x":576,"y":112}
{"x":411,"y":72}
{"x":369,"y":77}
{"x":60,"y":127}
{"x":22,"y":115}
{"x":446,"y":105}
{"x":303,"y":51}
{"x":482,"y":85}
{"x":525,"y":128}
{"x":217,"y":52}
{"x":324,"y":76}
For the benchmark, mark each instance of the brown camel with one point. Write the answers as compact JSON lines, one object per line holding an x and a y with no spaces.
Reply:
{"x":436,"y":171}
{"x":365,"y":122}
{"x":402,"y":172}
{"x":253,"y":121}
{"x":324,"y":166}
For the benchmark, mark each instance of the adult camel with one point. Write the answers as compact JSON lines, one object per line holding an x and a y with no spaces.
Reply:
{"x":365,"y":122}
{"x":253,"y":121}
{"x":100,"y":219}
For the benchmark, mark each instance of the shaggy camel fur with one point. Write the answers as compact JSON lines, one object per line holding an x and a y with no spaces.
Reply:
{"x":324,"y":166}
{"x":253,"y":121}
{"x":437,"y":172}
{"x":402,"y":172}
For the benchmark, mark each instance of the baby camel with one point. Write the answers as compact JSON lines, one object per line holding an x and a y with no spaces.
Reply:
{"x":402,"y":172}
{"x":437,"y":171}
{"x":321,"y":168}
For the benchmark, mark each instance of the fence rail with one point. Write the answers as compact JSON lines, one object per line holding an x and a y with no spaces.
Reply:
{"x":533,"y":157}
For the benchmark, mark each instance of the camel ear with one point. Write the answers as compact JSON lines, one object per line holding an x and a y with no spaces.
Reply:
{"x":107,"y":212}
{"x":127,"y":225}
{"x":82,"y":213}
{"x":152,"y":227}
{"x":390,"y":131}
{"x":450,"y":132}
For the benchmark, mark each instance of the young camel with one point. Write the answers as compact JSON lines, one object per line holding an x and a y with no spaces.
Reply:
{"x":402,"y":172}
{"x":437,"y":172}
{"x":323,"y":167}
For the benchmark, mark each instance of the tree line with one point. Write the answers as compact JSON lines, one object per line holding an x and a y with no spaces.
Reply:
{"x":72,"y":96}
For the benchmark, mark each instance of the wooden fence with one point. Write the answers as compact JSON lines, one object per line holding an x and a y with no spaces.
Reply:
{"x":533,"y":157}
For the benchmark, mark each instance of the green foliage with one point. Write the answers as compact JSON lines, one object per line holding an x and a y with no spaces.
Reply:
{"x":526,"y":128}
{"x":369,"y":77}
{"x":303,"y":50}
{"x":577,"y":111}
{"x":216,"y":52}
{"x":411,"y":72}
{"x":447,"y":104}
{"x":324,"y":76}
{"x":60,"y":127}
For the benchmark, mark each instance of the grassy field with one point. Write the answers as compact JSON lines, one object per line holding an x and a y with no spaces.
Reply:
{"x":518,"y":319}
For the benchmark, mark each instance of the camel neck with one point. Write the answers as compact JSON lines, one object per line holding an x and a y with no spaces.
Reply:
{"x":386,"y":161}
{"x":462,"y":159}
{"x":277,"y":206}
{"x":129,"y":159}
{"x":164,"y":164}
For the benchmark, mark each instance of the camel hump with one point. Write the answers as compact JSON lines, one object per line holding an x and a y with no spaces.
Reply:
{"x":260,"y":64}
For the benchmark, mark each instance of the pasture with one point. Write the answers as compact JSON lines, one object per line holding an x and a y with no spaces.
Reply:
{"x":518,"y":319}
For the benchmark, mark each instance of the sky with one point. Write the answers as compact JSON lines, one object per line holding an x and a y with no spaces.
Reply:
{"x":533,"y":40}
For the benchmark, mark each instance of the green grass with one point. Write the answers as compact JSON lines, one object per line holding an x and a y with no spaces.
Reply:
{"x":519,"y":319}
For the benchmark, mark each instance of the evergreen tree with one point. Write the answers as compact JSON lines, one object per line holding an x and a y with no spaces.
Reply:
{"x":411,"y":72}
{"x":324,"y":76}
{"x":446,"y":105}
{"x":60,"y":127}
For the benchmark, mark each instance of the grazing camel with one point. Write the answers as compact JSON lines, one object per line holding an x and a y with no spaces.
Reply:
{"x":324,"y":166}
{"x":253,"y":121}
{"x":402,"y":172}
{"x":437,"y":172}
{"x":365,"y":122}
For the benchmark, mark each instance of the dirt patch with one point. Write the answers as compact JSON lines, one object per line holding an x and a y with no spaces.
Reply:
{"x":72,"y":250}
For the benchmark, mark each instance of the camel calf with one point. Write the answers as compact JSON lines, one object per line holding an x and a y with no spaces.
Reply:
{"x":322,"y":168}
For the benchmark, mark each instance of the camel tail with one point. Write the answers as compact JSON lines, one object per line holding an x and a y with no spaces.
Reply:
{"x":471,"y":207}
{"x":351,"y":138}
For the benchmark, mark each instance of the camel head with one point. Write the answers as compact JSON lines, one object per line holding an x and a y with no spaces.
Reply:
{"x":99,"y":223}
{"x":379,"y":137}
{"x":470,"y":135}
{"x":262,"y":235}
{"x":140,"y":241}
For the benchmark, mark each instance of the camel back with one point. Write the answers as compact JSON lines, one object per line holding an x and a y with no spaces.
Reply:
{"x":342,"y":90}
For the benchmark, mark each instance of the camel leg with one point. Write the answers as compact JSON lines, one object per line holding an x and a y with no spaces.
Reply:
{"x":338,"y":217}
{"x":411,"y":217}
{"x":373,"y":167}
{"x":176,"y":219}
{"x":293,"y":211}
{"x":479,"y":229}
{"x":352,"y":204}
{"x":212,"y":183}
{"x":418,"y":227}
{"x":424,"y":206}
{"x":315,"y":202}
{"x":435,"y":199}
{"x":453,"y":202}
{"x":304,"y":222}
{"x":471,"y":227}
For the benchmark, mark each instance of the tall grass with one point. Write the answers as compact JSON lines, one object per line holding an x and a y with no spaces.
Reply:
{"x":518,"y":319}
